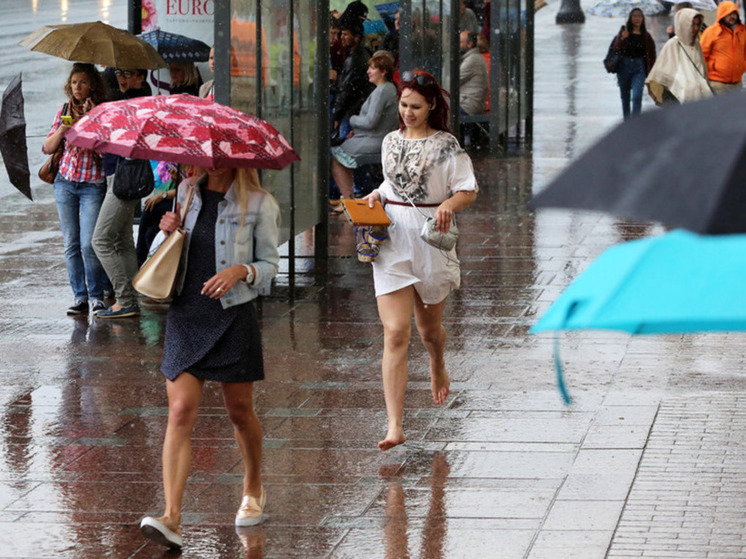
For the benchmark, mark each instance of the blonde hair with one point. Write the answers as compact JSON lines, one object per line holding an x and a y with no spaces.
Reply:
{"x":191,"y":77}
{"x":245,"y":181}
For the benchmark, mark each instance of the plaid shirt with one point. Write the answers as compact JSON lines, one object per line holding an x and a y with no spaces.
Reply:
{"x":77,"y":164}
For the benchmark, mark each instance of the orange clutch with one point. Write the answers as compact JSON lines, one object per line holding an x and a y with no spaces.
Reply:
{"x":359,"y":213}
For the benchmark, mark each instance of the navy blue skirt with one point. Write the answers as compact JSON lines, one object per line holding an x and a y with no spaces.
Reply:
{"x":202,"y":338}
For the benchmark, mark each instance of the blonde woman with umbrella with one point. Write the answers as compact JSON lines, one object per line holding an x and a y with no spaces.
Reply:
{"x":212,"y":331}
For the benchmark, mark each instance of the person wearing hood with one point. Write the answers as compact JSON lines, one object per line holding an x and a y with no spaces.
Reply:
{"x":724,"y":49}
{"x":679,"y":74}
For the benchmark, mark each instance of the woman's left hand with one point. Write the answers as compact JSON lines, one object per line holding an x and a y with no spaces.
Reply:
{"x":459,"y":201}
{"x":222,"y":282}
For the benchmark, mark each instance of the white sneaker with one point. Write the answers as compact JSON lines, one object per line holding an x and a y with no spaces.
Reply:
{"x":251,"y":511}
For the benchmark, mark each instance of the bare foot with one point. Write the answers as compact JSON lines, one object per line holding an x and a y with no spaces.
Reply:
{"x":440,"y":384}
{"x":393,"y":438}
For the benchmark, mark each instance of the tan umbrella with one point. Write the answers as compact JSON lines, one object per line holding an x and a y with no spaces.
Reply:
{"x":94,"y":42}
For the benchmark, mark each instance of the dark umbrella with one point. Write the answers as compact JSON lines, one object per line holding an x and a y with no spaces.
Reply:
{"x":682,"y":166}
{"x":13,"y":137}
{"x":177,"y":48}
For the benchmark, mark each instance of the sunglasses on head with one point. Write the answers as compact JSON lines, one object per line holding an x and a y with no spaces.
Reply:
{"x":125,"y":73}
{"x":422,"y":80}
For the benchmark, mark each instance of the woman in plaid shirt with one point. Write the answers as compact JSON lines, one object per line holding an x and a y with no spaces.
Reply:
{"x":79,"y":190}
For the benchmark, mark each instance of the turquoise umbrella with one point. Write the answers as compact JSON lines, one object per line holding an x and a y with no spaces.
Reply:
{"x":679,"y":282}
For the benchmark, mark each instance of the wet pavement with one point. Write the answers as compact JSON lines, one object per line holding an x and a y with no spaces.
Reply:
{"x":647,"y":462}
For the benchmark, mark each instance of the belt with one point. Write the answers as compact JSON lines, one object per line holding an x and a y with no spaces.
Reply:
{"x":395,"y":203}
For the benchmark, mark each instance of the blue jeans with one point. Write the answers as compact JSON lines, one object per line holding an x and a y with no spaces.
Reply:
{"x":78,"y":204}
{"x":631,"y":79}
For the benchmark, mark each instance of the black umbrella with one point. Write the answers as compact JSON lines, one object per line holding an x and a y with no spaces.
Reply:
{"x":683,"y":166}
{"x":13,"y":137}
{"x":177,"y":48}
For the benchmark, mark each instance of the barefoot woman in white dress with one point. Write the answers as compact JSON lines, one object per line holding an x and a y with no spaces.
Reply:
{"x":424,"y":160}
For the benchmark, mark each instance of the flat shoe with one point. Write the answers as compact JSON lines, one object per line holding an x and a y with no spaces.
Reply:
{"x":160,"y":533}
{"x":124,"y":312}
{"x":251,"y":511}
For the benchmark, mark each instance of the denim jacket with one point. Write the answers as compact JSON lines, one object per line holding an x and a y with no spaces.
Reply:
{"x":256,"y":243}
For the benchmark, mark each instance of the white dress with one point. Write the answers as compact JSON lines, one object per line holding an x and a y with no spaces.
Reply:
{"x":431,"y":170}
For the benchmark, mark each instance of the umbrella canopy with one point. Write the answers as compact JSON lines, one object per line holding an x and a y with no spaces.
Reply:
{"x":675,"y":283}
{"x":94,"y":42}
{"x":698,"y":4}
{"x":13,"y":137}
{"x":182,"y":129}
{"x":683,"y":166}
{"x":177,"y":48}
{"x":622,"y":8}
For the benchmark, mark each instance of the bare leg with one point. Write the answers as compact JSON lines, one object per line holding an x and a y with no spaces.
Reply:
{"x":430,"y":327}
{"x":395,"y":310}
{"x":344,"y":179}
{"x":239,"y":401}
{"x":184,"y":395}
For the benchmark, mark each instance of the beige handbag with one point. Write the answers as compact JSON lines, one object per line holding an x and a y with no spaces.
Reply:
{"x":157,"y":276}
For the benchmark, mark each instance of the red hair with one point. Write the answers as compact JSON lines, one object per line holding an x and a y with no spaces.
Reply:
{"x":432,"y":92}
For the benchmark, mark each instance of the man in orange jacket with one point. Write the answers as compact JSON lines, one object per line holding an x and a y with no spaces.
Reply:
{"x":724,"y":47}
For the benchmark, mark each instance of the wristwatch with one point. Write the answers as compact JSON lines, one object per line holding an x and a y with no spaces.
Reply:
{"x":164,"y":194}
{"x":249,"y":274}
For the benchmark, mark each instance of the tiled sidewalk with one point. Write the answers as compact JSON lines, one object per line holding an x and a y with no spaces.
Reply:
{"x":646,"y":462}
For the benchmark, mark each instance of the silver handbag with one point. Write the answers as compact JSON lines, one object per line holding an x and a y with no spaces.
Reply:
{"x":433,"y":237}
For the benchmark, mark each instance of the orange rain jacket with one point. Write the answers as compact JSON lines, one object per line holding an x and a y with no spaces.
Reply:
{"x":725,"y":50}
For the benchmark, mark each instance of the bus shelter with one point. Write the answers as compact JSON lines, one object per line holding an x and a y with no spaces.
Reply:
{"x":272,"y":60}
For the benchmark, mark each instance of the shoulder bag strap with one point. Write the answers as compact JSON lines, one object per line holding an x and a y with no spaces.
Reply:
{"x":678,"y":42}
{"x":185,"y":207}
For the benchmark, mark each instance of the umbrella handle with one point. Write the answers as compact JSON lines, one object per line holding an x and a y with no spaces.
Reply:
{"x":560,"y":372}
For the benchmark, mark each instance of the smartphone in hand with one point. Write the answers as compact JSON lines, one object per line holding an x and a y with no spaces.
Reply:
{"x":67,"y":119}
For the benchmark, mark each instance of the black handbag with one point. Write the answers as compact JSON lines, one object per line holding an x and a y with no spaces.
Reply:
{"x":613,"y":58}
{"x":335,"y":139}
{"x":133,"y":179}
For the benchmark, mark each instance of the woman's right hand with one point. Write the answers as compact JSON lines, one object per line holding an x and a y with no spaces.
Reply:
{"x":624,"y":33}
{"x":372,"y":198}
{"x":171,"y":221}
{"x":53,"y":142}
{"x":150,"y":203}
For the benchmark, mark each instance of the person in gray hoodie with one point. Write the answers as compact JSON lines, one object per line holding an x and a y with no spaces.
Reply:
{"x":378,"y":116}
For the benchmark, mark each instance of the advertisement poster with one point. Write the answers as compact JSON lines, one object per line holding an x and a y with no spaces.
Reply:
{"x":192,"y":18}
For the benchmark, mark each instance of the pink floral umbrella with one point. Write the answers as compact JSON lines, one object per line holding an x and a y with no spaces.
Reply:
{"x":182,"y":129}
